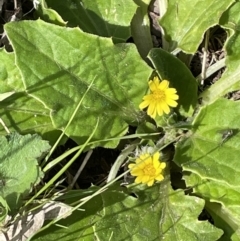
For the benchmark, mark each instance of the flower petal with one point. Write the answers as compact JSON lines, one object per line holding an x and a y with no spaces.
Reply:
{"x":171,"y":91}
{"x":158,"y":171}
{"x":145,"y":179}
{"x":156,"y":163}
{"x":163,"y":85}
{"x":148,"y":160}
{"x":172,"y":103}
{"x":163,"y":165}
{"x":153,"y":85}
{"x":172,"y":97}
{"x":138,"y":179}
{"x":156,"y":156}
{"x":144,"y":104}
{"x":159,"y":177}
{"x":156,"y":80}
{"x":130,"y":166}
{"x":148,"y":97}
{"x":165,"y":107}
{"x":137,"y":172}
{"x":152,"y":111}
{"x":150,"y":183}
{"x":159,"y":110}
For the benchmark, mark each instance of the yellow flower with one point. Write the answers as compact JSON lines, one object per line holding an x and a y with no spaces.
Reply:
{"x":160,"y":98}
{"x":147,"y":168}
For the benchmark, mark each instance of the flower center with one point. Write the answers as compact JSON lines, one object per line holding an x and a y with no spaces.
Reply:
{"x":159,"y":95}
{"x":149,"y":170}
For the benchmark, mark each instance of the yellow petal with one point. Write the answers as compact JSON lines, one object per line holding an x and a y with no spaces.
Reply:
{"x":156,"y":155}
{"x":158,"y":171}
{"x":145,"y":179}
{"x":148,"y":97}
{"x":141,"y":158}
{"x":152,"y":111}
{"x":153,"y":116}
{"x":131,"y":165}
{"x":156,"y":163}
{"x":165,"y":107}
{"x":163,"y":165}
{"x":144,"y":104}
{"x":138,"y":179}
{"x":150,"y":183}
{"x":144,"y":156}
{"x":148,"y":160}
{"x":152,"y":85}
{"x":159,"y":177}
{"x":163,"y":85}
{"x":159,"y":110}
{"x":156,"y":80}
{"x":173,"y":97}
{"x":172,"y":103}
{"x":151,"y":108}
{"x":137,"y":172}
{"x":171,"y":91}
{"x":141,"y":164}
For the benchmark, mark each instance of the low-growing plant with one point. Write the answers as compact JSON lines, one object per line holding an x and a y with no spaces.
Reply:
{"x":90,"y":71}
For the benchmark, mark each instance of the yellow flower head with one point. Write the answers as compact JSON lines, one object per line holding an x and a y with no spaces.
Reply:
{"x":147,"y":168}
{"x":160,"y":98}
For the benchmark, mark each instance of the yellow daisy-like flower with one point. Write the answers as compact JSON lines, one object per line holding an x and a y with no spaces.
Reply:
{"x":160,"y":98}
{"x":147,"y":168}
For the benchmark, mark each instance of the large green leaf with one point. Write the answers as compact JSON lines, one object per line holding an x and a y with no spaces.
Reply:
{"x":140,"y":28}
{"x":20,"y":111}
{"x":10,"y":77}
{"x":19,"y":168}
{"x":107,"y":18}
{"x":230,"y":80}
{"x":66,"y":62}
{"x":210,"y":158}
{"x":142,"y":214}
{"x":185,"y":21}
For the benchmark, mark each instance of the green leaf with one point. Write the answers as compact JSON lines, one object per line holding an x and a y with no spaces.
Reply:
{"x":10,"y":77}
{"x":106,"y":18}
{"x":67,"y":65}
{"x":48,"y":15}
{"x":19,"y":168}
{"x":185,"y":22}
{"x":3,"y":209}
{"x":230,"y":80}
{"x":5,"y":95}
{"x":210,"y":160}
{"x":224,"y":221}
{"x":147,"y":127}
{"x":20,"y":112}
{"x":140,"y":28}
{"x":153,"y":213}
{"x":180,"y":78}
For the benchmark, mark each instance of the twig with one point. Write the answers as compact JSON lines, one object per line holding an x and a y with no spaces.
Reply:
{"x":80,"y":169}
{"x":4,"y":126}
{"x":205,"y":49}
